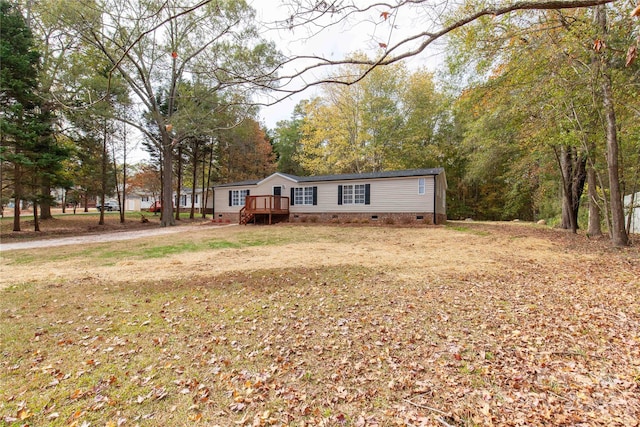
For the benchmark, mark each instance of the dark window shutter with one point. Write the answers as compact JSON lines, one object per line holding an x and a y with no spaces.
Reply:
{"x":315,"y":196}
{"x":248,"y":191}
{"x":339,"y":194}
{"x":292,"y":201}
{"x":367,"y":194}
{"x":230,"y":198}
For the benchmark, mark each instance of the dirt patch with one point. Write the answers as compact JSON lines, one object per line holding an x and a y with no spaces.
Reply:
{"x":408,"y":252}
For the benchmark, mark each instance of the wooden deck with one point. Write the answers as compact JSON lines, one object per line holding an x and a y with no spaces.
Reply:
{"x":267,"y":207}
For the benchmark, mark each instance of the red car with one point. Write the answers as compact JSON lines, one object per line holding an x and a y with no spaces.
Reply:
{"x":155,"y":207}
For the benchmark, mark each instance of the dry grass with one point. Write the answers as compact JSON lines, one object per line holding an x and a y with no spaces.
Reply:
{"x":320,"y":325}
{"x":74,"y":225}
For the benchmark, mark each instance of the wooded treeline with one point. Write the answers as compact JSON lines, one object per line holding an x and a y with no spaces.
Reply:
{"x":534,"y":115}
{"x":519,"y":119}
{"x":88,"y":81}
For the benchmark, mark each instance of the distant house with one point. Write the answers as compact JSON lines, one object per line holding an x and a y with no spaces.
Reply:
{"x":140,"y":201}
{"x":199,"y":198}
{"x":137,"y":201}
{"x":417,"y":195}
{"x":633,"y":209}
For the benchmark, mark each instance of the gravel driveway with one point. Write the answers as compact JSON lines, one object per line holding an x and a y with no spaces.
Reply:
{"x":99,"y":238}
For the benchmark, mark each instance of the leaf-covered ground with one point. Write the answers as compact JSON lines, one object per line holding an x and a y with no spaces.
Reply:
{"x":465,"y":325}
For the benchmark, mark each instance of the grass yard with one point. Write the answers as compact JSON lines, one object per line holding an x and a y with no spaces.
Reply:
{"x":464,"y":325}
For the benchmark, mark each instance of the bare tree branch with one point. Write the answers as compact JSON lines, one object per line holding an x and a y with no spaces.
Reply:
{"x":311,"y":15}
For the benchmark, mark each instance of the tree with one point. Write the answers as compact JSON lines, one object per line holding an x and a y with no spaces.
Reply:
{"x":244,"y":152}
{"x":618,"y":232}
{"x":55,"y":43}
{"x":563,"y":102}
{"x":146,"y":181}
{"x":287,"y":137}
{"x":157,"y":44}
{"x":22,"y":129}
{"x":388,"y":120}
{"x":388,"y":45}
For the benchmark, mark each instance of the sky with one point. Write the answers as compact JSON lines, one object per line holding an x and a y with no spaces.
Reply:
{"x":364,"y":35}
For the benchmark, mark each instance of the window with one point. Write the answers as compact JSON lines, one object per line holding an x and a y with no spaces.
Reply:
{"x":303,"y":195}
{"x":354,"y":194}
{"x":145,"y":198}
{"x":237,"y":197}
{"x":358,"y":194}
{"x":183,"y":200}
{"x":195,"y":198}
{"x":421,"y":186}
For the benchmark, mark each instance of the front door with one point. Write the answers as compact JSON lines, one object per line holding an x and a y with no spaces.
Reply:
{"x":277,"y":192}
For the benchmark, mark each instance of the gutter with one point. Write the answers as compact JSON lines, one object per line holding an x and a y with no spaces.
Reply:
{"x":435,"y":199}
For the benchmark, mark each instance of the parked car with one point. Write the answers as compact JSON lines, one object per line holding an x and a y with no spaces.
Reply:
{"x":155,"y":207}
{"x":109,"y":206}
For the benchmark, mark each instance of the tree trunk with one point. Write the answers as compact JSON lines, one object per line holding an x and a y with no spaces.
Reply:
{"x":618,"y":232}
{"x":45,"y":204}
{"x":179,"y":186}
{"x":594,"y":229}
{"x":36,"y":223}
{"x":104,"y":173}
{"x":64,"y":200}
{"x":206,"y":199}
{"x":167,"y":178}
{"x":194,"y":177}
{"x":124,"y":175}
{"x":17,"y":196}
{"x":619,"y":235}
{"x":572,"y":167}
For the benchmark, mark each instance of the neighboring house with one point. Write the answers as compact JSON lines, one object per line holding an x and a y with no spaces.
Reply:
{"x":417,"y":195}
{"x":199,"y":200}
{"x":136,"y":201}
{"x":634,"y":211}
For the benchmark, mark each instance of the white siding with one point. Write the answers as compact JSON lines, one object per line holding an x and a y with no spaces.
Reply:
{"x":635,"y":215}
{"x":221,"y":198}
{"x":387,"y":195}
{"x":264,"y":187}
{"x":390,"y":195}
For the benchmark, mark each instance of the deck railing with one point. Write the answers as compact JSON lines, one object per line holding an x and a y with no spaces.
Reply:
{"x":267,"y":204}
{"x":263,"y":205}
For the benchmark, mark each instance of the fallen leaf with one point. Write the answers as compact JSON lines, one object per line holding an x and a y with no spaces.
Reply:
{"x":632,"y":54}
{"x":24,"y":413}
{"x":195,"y":417}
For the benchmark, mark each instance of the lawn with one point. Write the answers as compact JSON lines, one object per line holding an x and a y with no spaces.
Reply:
{"x":463,"y":325}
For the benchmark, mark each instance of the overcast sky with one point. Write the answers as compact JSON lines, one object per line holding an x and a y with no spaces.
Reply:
{"x":362,"y":35}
